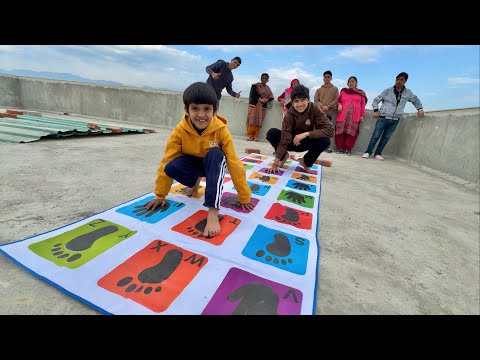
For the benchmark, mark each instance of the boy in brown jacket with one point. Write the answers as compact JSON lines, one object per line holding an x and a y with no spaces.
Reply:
{"x":305,"y":127}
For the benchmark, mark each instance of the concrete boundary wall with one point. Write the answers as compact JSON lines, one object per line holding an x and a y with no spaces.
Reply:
{"x":445,"y":141}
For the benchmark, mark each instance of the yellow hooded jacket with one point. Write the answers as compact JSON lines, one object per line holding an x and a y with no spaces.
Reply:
{"x":184,"y":140}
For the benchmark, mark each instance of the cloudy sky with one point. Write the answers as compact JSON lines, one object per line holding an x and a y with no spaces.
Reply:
{"x":442,"y":76}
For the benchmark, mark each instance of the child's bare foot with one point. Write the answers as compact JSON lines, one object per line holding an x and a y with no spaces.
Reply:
{"x":193,"y":191}
{"x":305,"y":167}
{"x":212,"y":227}
{"x":282,"y":162}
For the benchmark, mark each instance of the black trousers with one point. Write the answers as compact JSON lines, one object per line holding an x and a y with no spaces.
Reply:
{"x":187,"y":169}
{"x":313,"y":146}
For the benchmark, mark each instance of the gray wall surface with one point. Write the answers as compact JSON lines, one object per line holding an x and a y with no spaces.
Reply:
{"x":9,"y":93}
{"x":445,"y":141}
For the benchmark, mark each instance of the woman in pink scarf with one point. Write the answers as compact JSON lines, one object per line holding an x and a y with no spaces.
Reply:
{"x":351,"y":111}
{"x":284,"y":99}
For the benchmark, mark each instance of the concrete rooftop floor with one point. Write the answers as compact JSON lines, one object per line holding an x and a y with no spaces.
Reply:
{"x":394,"y":239}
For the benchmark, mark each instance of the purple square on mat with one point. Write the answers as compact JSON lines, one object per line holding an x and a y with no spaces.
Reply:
{"x":300,"y":169}
{"x":264,"y":170}
{"x":229,"y":200}
{"x":243,"y":293}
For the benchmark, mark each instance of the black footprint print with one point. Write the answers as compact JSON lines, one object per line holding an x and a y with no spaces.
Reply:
{"x":290,"y":217}
{"x":140,"y":210}
{"x":185,"y":189}
{"x":304,"y":177}
{"x":255,"y":187}
{"x":81,"y":243}
{"x":200,"y":228}
{"x":295,"y":197}
{"x":256,"y":299}
{"x":279,"y":247}
{"x":155,"y":274}
{"x":301,"y":186}
{"x":264,"y":178}
{"x":231,"y":201}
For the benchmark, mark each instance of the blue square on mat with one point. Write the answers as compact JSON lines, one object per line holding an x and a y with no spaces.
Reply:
{"x":137,"y":211}
{"x":277,"y":248}
{"x":298,"y":185}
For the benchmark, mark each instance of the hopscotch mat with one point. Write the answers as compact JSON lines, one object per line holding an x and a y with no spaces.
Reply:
{"x":128,"y":260}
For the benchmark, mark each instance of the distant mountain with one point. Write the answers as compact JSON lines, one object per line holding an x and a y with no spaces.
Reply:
{"x":57,"y":76}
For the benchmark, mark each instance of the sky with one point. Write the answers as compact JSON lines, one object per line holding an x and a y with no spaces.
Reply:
{"x":442,"y":76}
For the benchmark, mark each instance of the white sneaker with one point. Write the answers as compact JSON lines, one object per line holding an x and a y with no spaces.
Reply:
{"x":366,"y":155}
{"x":379,"y":157}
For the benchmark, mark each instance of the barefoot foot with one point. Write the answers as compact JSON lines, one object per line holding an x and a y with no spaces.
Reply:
{"x":212,"y":227}
{"x":305,"y":167}
{"x":193,"y":191}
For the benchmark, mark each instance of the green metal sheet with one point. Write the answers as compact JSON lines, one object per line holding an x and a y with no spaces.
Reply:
{"x":28,"y":128}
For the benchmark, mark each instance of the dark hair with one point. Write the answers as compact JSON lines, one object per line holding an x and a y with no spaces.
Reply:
{"x":300,"y":92}
{"x":200,"y":93}
{"x":403,"y":73}
{"x":352,"y":77}
{"x":328,"y":72}
{"x":238,"y":59}
{"x":265,"y":74}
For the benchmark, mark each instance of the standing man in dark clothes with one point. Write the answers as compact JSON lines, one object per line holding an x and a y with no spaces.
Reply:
{"x":221,"y":76}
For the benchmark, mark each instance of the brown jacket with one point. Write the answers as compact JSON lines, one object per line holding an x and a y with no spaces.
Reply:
{"x":327,"y":95}
{"x":312,"y":120}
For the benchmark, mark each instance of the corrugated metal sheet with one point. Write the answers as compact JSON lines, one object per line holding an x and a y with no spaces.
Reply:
{"x":28,"y":128}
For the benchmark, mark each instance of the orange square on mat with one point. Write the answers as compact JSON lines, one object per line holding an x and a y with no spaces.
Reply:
{"x":154,"y":276}
{"x":265,"y":178}
{"x":305,"y":177}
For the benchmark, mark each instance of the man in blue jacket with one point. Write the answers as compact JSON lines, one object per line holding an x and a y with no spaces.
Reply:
{"x":220,"y":76}
{"x":394,"y":100}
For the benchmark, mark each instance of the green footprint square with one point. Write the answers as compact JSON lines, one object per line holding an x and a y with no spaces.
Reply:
{"x":297,"y":198}
{"x":78,"y":246}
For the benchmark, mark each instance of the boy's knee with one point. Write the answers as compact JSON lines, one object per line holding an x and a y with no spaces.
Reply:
{"x":215,"y":153}
{"x":170,"y":169}
{"x":270,"y":133}
{"x":325,"y":141}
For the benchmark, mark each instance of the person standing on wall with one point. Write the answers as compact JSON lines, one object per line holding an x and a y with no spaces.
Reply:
{"x":221,"y":77}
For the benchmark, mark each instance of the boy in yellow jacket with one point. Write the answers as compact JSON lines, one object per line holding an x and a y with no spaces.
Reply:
{"x":201,"y":146}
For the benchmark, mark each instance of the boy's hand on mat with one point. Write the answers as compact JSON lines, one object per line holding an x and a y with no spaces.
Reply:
{"x":153,"y":204}
{"x":249,"y":206}
{"x":273,"y":170}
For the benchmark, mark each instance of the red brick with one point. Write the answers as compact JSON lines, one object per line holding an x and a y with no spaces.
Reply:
{"x":323,"y":162}
{"x":93,"y":126}
{"x":4,"y":115}
{"x":14,"y":112}
{"x":115,"y":130}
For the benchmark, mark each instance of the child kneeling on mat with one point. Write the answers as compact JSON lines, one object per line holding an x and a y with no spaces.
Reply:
{"x":201,"y":146}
